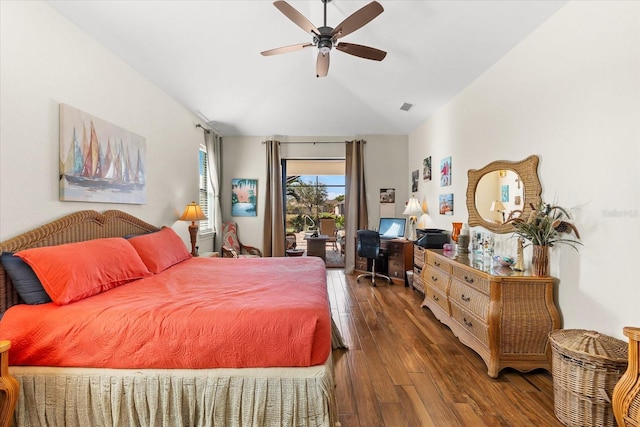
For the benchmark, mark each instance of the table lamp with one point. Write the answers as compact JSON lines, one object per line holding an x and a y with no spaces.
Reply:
{"x":413,"y":209}
{"x":498,"y":206}
{"x":193,"y":213}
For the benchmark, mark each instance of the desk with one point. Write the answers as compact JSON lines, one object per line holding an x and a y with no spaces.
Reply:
{"x":316,"y":246}
{"x":399,"y":260}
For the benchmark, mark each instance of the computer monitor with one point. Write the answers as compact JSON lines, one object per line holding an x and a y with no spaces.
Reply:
{"x":392,"y":228}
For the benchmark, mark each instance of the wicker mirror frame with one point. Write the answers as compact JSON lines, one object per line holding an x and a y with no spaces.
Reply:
{"x":528,"y":171}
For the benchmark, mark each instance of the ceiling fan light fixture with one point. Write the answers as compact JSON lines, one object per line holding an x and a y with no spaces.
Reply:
{"x":325,"y":37}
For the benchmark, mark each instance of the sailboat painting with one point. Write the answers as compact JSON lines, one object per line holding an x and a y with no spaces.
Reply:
{"x":99,"y":161}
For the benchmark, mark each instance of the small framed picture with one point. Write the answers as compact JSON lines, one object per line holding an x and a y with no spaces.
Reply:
{"x":504,"y":191}
{"x":445,"y":172}
{"x":387,"y":195}
{"x":244,"y":197}
{"x":445,"y":205}
{"x":414,"y":180}
{"x":426,"y":169}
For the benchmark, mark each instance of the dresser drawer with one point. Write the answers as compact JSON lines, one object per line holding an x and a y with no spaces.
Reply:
{"x":472,"y":279}
{"x":438,"y":262}
{"x":395,"y":250}
{"x":418,"y":283}
{"x":361,"y":263}
{"x":438,"y":298}
{"x":436,"y":278}
{"x":469,"y":298}
{"x":471,"y":323}
{"x":418,"y":255}
{"x":395,"y":269}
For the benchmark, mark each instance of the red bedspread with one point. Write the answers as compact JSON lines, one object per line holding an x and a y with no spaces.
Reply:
{"x":201,"y":313}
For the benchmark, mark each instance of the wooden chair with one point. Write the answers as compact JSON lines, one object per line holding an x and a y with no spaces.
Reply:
{"x":9,"y":388}
{"x":231,"y":245}
{"x":328,"y":228}
{"x":626,"y":394}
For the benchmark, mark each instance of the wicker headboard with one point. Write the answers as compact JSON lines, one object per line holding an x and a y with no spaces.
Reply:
{"x":75,"y":227}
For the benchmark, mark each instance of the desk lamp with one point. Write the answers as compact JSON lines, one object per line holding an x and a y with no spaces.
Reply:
{"x":413,"y":209}
{"x":193,"y":213}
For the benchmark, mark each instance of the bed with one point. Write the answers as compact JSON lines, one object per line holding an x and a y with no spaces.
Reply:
{"x":182,"y":355}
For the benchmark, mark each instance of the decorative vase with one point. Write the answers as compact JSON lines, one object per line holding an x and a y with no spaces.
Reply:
{"x":519,"y":265}
{"x":540,"y":260}
{"x":455,"y":232}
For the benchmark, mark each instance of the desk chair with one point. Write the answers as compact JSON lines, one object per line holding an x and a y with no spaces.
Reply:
{"x":369,"y":247}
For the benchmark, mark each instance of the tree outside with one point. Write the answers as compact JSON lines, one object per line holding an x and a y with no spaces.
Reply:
{"x":307,"y":202}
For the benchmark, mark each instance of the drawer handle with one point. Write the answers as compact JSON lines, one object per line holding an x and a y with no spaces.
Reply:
{"x":468,"y":279}
{"x":435,"y":298}
{"x":435,"y":279}
{"x":436,"y":263}
{"x":466,"y":322}
{"x":464,"y":298}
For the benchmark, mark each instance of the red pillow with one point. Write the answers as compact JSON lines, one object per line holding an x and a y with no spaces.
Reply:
{"x":160,"y":250}
{"x":75,"y":271}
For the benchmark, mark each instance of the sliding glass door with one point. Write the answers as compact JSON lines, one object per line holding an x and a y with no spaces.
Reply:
{"x":314,"y":201}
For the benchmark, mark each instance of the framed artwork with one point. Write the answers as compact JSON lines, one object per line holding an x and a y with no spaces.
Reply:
{"x":445,"y":205}
{"x":504,"y":191}
{"x":99,"y":161}
{"x":244,"y":197}
{"x":445,"y":172}
{"x":387,"y":195}
{"x":426,"y":169}
{"x":414,"y":180}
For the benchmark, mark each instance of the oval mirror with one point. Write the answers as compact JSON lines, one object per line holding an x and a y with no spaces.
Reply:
{"x":501,"y":190}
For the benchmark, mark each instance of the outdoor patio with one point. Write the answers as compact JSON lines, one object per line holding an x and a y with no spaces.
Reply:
{"x":334,"y":257}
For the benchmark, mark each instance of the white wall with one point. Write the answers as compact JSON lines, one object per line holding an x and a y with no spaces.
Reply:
{"x":244,"y":157}
{"x":569,"y":93}
{"x":45,"y":60}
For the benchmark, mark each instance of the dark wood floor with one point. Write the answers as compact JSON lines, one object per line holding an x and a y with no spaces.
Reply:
{"x":404,"y":368}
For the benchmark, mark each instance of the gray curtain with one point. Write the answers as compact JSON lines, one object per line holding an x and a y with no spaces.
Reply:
{"x":273,"y":237}
{"x":355,"y":209}
{"x":213,"y":144}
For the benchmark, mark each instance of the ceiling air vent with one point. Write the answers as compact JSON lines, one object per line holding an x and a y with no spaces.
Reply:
{"x":406,"y":106}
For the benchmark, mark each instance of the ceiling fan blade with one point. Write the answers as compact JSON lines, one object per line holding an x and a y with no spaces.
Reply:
{"x":285,"y":49}
{"x":322,"y":64}
{"x":365,"y":52}
{"x":297,"y":18}
{"x":357,"y":19}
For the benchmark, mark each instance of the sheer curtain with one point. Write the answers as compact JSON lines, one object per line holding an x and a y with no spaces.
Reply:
{"x":356,"y":215}
{"x":273,"y":238}
{"x":213,"y":144}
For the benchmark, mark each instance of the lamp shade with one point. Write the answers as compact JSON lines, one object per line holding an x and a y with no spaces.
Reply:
{"x":413,"y":207}
{"x":497,"y":206}
{"x":193,"y":212}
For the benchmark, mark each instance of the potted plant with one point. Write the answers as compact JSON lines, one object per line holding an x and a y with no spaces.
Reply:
{"x":546,"y":226}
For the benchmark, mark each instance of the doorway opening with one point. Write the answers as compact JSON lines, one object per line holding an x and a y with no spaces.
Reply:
{"x":314,"y":207}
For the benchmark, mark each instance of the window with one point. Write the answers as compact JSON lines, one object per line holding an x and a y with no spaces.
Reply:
{"x":206,"y":193}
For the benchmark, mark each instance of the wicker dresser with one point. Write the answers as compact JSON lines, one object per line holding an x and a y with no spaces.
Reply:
{"x":503,"y":315}
{"x":419,"y":254}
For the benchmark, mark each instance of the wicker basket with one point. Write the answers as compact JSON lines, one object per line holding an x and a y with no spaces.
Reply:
{"x":586,"y":366}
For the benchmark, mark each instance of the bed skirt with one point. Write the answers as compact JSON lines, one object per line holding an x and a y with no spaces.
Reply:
{"x":209,"y":397}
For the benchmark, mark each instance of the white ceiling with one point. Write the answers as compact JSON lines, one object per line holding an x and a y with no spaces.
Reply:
{"x":206,"y":54}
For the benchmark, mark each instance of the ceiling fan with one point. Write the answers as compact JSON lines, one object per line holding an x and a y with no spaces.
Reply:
{"x":326,"y":37}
